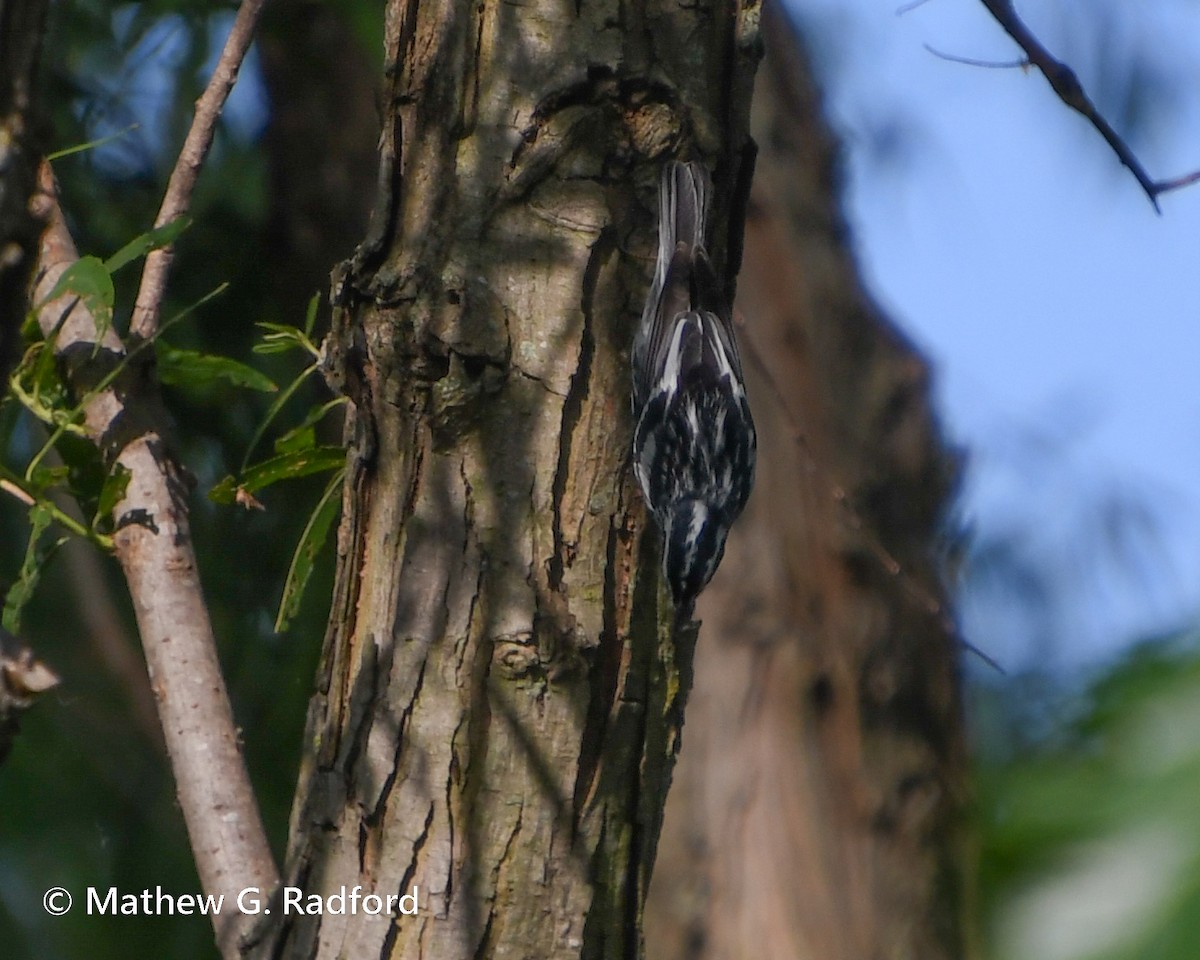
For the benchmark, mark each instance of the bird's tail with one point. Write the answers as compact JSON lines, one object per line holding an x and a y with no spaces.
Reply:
{"x":683,"y":193}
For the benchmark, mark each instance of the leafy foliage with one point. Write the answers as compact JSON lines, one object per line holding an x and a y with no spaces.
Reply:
{"x":190,"y":368}
{"x":287,"y":466}
{"x":316,"y":533}
{"x":89,"y":798}
{"x":1091,"y":845}
{"x":40,"y":519}
{"x":297,"y":454}
{"x":38,"y":386}
{"x":91,"y":281}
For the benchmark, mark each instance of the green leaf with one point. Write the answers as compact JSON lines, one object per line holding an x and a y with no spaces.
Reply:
{"x":91,"y":144}
{"x":31,"y":330}
{"x":273,"y":411}
{"x":281,"y":338}
{"x":112,"y":493}
{"x":68,"y":419}
{"x":310,"y":315}
{"x":37,"y":386}
{"x":316,"y":533}
{"x":286,"y":467}
{"x":138,"y":247}
{"x":298,"y":438}
{"x":88,"y":279}
{"x":190,"y":368}
{"x":87,"y":472}
{"x":31,"y":569}
{"x":304,"y":434}
{"x":44,"y":478}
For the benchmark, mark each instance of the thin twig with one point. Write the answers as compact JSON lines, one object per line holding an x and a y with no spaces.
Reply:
{"x":153,"y":544}
{"x":910,"y":7}
{"x":178,"y":197}
{"x":972,"y":62}
{"x":1185,"y":181}
{"x":1070,"y":91}
{"x":13,"y":490}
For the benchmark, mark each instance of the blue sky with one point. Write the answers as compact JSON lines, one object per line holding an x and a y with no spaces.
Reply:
{"x":1059,"y":309}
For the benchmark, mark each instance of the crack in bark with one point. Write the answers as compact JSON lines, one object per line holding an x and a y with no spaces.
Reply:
{"x":513,"y":744}
{"x":572,"y":411}
{"x":502,"y":861}
{"x":389,"y":940}
{"x":634,"y":892}
{"x":454,"y":769}
{"x":603,"y":684}
{"x":472,"y":110}
{"x":540,"y":381}
{"x":368,"y":677}
{"x":468,"y":518}
{"x":348,"y":590}
{"x":374,"y":817}
{"x":477,"y":719}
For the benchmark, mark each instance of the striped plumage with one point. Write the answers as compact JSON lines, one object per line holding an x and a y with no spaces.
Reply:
{"x":694,"y":444}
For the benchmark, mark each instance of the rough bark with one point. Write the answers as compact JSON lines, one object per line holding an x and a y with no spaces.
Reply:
{"x":21,"y":23}
{"x":500,"y":699}
{"x":816,"y":809}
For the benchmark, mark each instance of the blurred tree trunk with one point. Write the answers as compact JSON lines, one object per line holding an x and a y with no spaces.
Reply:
{"x":499,"y":701}
{"x":21,"y":23}
{"x":816,"y":808}
{"x":321,"y":145}
{"x":22,"y":677}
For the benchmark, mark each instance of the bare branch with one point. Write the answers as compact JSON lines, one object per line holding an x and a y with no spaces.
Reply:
{"x":1185,"y":181}
{"x":972,"y":62}
{"x":1070,"y":91}
{"x":154,"y":546}
{"x":178,"y":197}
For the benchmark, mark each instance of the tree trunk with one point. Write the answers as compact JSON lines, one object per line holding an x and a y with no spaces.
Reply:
{"x":320,"y":179}
{"x":817,"y":808}
{"x":500,"y":697}
{"x":22,"y":677}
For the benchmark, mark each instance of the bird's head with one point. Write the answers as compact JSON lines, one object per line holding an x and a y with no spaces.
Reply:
{"x":694,"y":542}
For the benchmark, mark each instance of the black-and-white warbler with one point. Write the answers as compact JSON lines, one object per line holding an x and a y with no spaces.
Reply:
{"x":693,"y":448}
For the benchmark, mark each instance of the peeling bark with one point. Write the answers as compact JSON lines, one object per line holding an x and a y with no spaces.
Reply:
{"x":499,"y":702}
{"x":817,"y":809}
